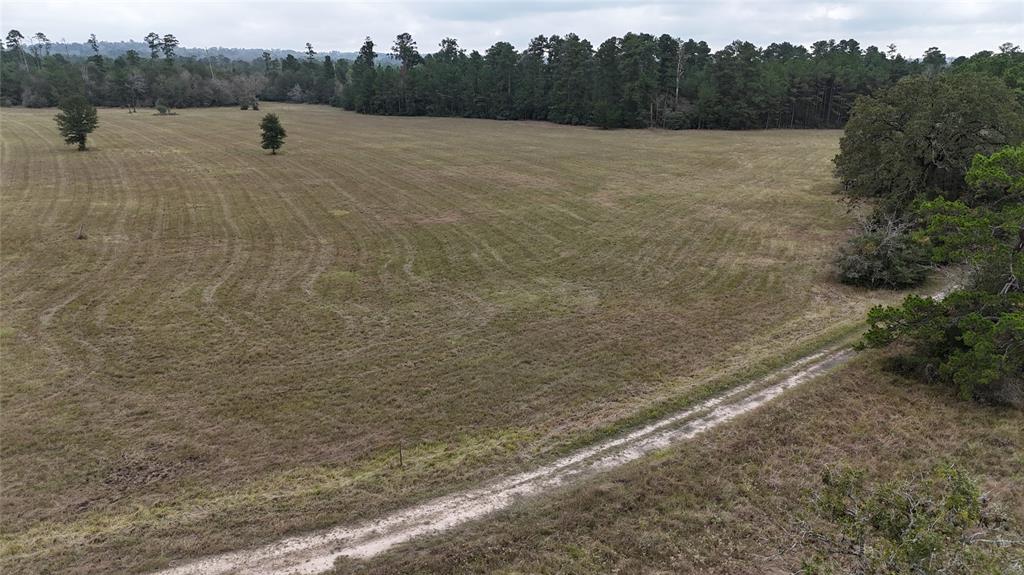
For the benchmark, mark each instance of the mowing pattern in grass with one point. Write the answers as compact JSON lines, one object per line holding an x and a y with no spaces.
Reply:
{"x":738,"y":500}
{"x":242,"y":341}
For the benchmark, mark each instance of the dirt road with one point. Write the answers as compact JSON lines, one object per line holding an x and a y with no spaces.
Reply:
{"x":316,"y":553}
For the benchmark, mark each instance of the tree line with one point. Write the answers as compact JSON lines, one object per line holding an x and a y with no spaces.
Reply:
{"x":35,"y":74}
{"x":941,"y":159}
{"x":638,"y":80}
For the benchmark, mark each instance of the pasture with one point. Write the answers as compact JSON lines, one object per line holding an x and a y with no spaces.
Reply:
{"x":246,"y":345}
{"x":740,"y":498}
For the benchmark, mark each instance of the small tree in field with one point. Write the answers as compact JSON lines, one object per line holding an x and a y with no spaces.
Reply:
{"x":76,"y":120}
{"x":273,"y":133}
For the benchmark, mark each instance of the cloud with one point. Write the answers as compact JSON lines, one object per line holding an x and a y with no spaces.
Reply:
{"x":830,"y":12}
{"x":959,"y":27}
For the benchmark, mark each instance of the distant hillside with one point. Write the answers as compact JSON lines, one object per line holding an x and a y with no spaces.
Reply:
{"x":115,"y":49}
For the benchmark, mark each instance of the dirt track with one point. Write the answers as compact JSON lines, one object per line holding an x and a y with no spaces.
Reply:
{"x":317,"y":552}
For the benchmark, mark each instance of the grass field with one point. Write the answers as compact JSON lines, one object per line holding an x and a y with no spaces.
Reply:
{"x":243,"y":343}
{"x":738,"y":500}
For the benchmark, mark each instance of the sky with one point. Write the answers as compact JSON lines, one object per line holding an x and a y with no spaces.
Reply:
{"x":957,"y":27}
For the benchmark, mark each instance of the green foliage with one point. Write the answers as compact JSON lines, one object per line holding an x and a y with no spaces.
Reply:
{"x":986,"y":240}
{"x":918,"y":138}
{"x":76,"y":120}
{"x":918,"y":149}
{"x":901,"y":526}
{"x":638,"y":80}
{"x":883,"y":255}
{"x":273,"y":133}
{"x":1006,"y":64}
{"x":973,"y":340}
{"x":676,"y":120}
{"x":997,"y":179}
{"x":359,"y":95}
{"x":970,"y":341}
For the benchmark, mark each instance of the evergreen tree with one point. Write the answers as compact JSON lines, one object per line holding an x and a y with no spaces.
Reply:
{"x":571,"y":81}
{"x":360,"y":95}
{"x":14,"y":40}
{"x":531,"y":96}
{"x":607,"y":85}
{"x":76,"y":120}
{"x":273,"y":133}
{"x":934,"y":60}
{"x":167,"y":46}
{"x":404,"y":50}
{"x":639,"y":77}
{"x":501,"y":65}
{"x":154,"y":43}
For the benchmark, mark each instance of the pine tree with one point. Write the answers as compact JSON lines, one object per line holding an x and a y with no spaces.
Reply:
{"x":273,"y":133}
{"x":76,"y":120}
{"x":167,"y":46}
{"x":363,"y":79}
{"x":154,"y":43}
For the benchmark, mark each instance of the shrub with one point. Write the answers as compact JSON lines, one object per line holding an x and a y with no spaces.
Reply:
{"x":162,"y":108}
{"x":607,"y":116}
{"x":245,"y":106}
{"x":31,"y":99}
{"x":970,"y":341}
{"x":676,"y":121}
{"x":883,"y":255}
{"x":902,"y":526}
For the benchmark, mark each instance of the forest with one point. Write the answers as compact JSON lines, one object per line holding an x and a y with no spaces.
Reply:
{"x":636,"y":81}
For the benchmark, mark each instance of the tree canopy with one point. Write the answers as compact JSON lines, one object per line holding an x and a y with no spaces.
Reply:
{"x":919,"y":136}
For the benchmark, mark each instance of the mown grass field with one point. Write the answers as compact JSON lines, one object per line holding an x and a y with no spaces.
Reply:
{"x":740,"y":498}
{"x":243,"y":342}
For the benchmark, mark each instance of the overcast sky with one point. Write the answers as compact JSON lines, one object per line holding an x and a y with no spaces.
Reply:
{"x":957,"y":27}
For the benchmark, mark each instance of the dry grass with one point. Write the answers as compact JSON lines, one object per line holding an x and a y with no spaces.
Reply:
{"x":242,"y":341}
{"x":738,"y":500}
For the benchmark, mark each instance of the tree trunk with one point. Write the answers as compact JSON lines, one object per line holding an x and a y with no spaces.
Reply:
{"x":679,"y":74}
{"x":828,"y":113}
